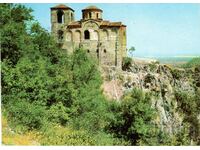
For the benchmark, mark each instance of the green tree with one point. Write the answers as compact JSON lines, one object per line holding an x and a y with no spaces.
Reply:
{"x":14,"y":38}
{"x":131,"y":50}
{"x":33,"y":69}
{"x":90,"y":106}
{"x":133,"y":119}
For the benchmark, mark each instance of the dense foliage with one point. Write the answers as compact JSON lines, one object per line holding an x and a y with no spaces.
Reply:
{"x":189,"y":105}
{"x":42,"y":85}
{"x":59,"y":95}
{"x":133,"y":119}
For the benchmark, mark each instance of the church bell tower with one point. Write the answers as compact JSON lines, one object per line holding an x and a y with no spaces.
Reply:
{"x":61,"y":16}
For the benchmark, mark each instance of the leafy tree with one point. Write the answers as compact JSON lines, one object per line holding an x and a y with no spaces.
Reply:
{"x":131,"y":50}
{"x":33,"y":69}
{"x":14,"y":38}
{"x":33,"y":82}
{"x":90,"y":106}
{"x":133,"y":119}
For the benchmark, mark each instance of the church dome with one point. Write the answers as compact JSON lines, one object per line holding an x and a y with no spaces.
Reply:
{"x":92,"y":8}
{"x":92,"y":12}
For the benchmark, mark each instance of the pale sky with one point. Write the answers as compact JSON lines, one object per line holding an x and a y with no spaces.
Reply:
{"x":153,"y":29}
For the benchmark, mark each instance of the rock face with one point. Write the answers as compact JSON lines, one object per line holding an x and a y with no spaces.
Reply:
{"x":161,"y":81}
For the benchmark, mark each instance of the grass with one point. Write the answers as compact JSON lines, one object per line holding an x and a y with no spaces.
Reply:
{"x":9,"y":137}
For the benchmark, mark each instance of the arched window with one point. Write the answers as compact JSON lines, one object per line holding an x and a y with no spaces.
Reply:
{"x":88,"y":51}
{"x":90,"y":15}
{"x":87,"y":34}
{"x":104,"y":50}
{"x":97,"y":51}
{"x":60,"y":35}
{"x":97,"y":15}
{"x":60,"y":16}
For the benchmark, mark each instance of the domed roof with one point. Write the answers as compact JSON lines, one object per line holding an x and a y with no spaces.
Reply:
{"x":61,"y":6}
{"x":92,"y":7}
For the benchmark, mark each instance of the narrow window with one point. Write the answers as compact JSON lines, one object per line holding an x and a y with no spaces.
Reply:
{"x":88,"y":51}
{"x":97,"y":15}
{"x":72,"y":17}
{"x":104,"y":50}
{"x":87,"y":34}
{"x":60,"y":16}
{"x":90,"y":15}
{"x":97,"y":53}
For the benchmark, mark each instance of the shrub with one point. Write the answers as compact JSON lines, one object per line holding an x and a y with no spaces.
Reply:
{"x":188,"y":104}
{"x":176,"y":73}
{"x":126,"y":63}
{"x":132,"y":119}
{"x":30,"y":85}
{"x":153,"y":65}
{"x":29,"y":116}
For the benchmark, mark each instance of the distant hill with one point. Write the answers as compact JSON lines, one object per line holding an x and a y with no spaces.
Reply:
{"x":193,"y":63}
{"x":173,"y":60}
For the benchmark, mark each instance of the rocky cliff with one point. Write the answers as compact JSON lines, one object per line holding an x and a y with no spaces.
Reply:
{"x":162,"y":81}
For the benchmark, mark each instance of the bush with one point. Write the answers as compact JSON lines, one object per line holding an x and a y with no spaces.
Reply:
{"x":177,"y":74}
{"x":126,"y":63}
{"x":133,"y":119}
{"x":28,"y":116}
{"x":32,"y":83}
{"x":188,"y":105}
{"x":153,"y":65}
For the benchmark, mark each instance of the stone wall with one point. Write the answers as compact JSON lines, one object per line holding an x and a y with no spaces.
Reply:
{"x":108,"y":45}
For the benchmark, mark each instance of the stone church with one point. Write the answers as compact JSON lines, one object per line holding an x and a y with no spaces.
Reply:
{"x":102,"y":39}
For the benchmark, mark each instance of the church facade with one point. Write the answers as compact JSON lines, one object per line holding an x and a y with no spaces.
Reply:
{"x":102,"y":39}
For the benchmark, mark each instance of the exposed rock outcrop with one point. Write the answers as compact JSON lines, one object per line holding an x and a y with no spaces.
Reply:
{"x":161,"y":81}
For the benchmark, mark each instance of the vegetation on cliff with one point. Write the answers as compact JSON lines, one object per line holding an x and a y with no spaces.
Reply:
{"x":54,"y":98}
{"x":195,"y":62}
